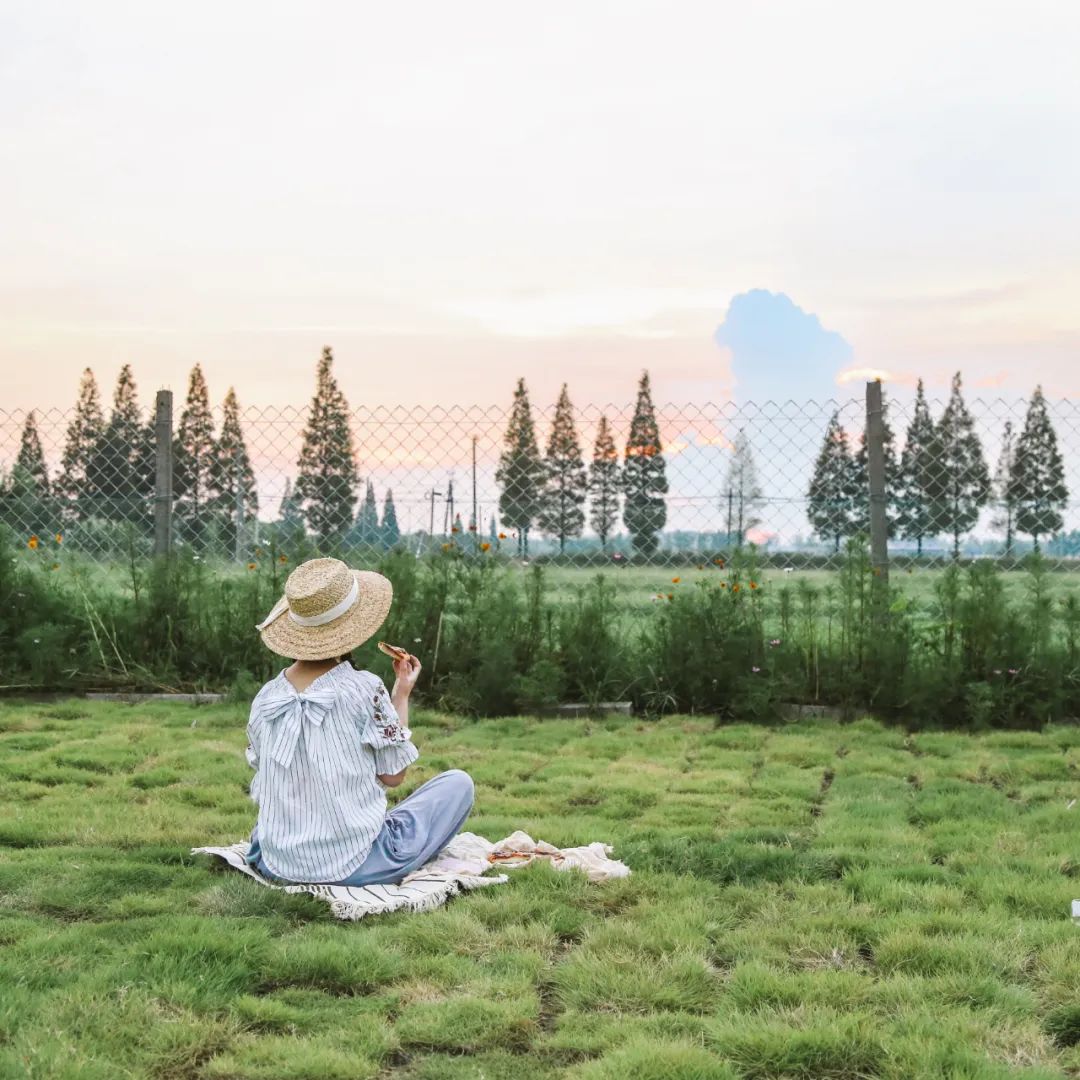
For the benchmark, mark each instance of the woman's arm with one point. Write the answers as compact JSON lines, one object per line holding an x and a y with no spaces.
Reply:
{"x":407,"y":671}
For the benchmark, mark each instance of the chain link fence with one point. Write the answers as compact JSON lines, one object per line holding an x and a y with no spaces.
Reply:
{"x":785,"y":477}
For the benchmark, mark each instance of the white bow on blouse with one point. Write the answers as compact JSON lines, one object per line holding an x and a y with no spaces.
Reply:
{"x":286,"y":714}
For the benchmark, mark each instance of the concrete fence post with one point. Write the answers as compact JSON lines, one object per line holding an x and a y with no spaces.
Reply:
{"x":163,"y":473}
{"x":878,"y":494}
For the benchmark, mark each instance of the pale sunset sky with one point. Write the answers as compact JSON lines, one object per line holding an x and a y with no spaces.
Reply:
{"x":746,"y":198}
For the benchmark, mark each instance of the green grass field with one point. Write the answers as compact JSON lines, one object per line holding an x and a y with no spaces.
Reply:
{"x":813,"y":901}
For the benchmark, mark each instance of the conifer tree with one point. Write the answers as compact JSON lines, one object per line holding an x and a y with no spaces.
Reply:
{"x":834,"y":490}
{"x":563,"y":496}
{"x":1037,"y":483}
{"x":744,"y":496}
{"x":328,"y":478}
{"x":914,"y":506}
{"x":1005,"y":508}
{"x":25,"y":500}
{"x":457,"y":528}
{"x":195,"y":468}
{"x":290,"y":524}
{"x":644,"y":476}
{"x":389,"y":529}
{"x":493,"y":532}
{"x":121,"y":468}
{"x":604,"y":484}
{"x":232,"y":474}
{"x":365,"y":530}
{"x":144,"y":467}
{"x":84,"y":433}
{"x":958,"y":481}
{"x":892,"y":477}
{"x":520,"y":473}
{"x":30,"y":462}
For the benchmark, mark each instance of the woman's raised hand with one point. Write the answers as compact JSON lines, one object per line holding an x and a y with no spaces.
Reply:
{"x":407,"y":671}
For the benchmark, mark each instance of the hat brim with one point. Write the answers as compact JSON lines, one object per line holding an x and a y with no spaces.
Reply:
{"x":347,"y":632}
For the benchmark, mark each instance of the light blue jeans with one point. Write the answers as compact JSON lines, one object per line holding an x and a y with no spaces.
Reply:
{"x":412,"y":834}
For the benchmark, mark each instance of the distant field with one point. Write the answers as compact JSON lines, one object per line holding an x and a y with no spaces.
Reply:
{"x":810,"y":901}
{"x":637,"y":585}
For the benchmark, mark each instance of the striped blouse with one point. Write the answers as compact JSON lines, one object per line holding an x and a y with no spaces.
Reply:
{"x":316,"y":754}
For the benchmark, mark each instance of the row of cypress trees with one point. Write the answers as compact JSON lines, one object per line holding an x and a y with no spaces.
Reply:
{"x":941,"y":482}
{"x":550,"y":491}
{"x":213,"y":481}
{"x":937,"y":486}
{"x":105,"y":461}
{"x":543,"y":491}
{"x":107,"y":467}
{"x":106,"y":472}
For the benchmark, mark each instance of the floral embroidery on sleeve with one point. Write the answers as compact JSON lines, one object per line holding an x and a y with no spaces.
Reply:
{"x":386,"y":721}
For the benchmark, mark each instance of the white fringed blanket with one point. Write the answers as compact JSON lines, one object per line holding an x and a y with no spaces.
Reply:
{"x":460,"y":866}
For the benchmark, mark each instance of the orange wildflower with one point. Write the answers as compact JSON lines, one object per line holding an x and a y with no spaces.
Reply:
{"x":735,"y":588}
{"x":671,"y":596}
{"x":32,"y":543}
{"x":753,"y":584}
{"x":719,"y":562}
{"x":447,"y":547}
{"x":283,"y":559}
{"x":455,"y":529}
{"x":676,"y":580}
{"x":723,"y":584}
{"x":59,"y":538}
{"x":252,"y":566}
{"x":485,"y":546}
{"x":502,"y":536}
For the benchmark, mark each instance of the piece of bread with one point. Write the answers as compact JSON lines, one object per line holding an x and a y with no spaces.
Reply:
{"x":395,"y":652}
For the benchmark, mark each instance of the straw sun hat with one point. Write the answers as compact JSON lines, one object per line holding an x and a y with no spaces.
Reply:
{"x":327,"y":611}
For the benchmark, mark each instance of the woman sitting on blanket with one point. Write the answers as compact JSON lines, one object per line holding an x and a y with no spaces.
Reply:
{"x":325,"y":740}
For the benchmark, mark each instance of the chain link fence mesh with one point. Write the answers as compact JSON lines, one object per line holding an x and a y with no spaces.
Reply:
{"x":734,"y":473}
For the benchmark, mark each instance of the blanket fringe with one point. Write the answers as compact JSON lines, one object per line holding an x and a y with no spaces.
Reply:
{"x":353,"y":912}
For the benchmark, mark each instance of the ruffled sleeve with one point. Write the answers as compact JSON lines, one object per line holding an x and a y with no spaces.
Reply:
{"x":389,"y":740}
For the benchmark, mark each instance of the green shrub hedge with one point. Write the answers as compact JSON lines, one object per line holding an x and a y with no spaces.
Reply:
{"x":496,"y":641}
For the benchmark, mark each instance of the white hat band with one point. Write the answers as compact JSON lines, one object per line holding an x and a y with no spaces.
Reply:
{"x":331,"y":614}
